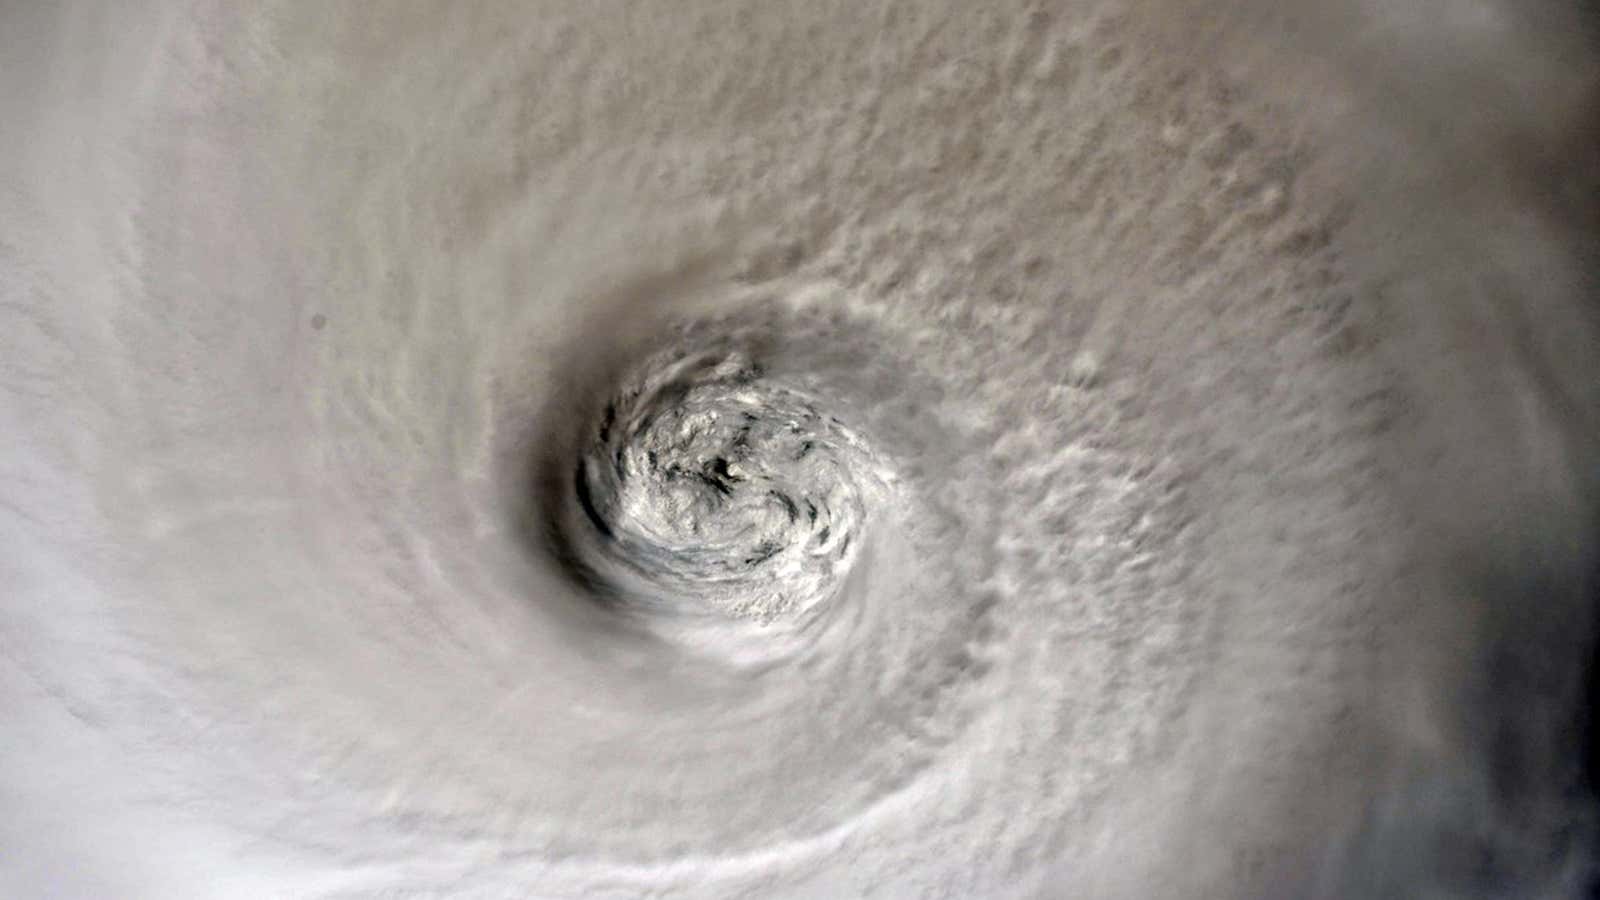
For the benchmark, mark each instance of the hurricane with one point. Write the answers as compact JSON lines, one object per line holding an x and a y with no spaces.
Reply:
{"x":798,"y":449}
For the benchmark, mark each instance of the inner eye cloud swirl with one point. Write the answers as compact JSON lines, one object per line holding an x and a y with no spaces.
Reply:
{"x":1093,"y":449}
{"x":712,"y":490}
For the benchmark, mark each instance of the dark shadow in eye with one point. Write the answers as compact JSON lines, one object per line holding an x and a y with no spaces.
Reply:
{"x":545,"y":487}
{"x":553,"y":483}
{"x":580,"y":490}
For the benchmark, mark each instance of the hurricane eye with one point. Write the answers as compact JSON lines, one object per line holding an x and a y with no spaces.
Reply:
{"x":711,"y":488}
